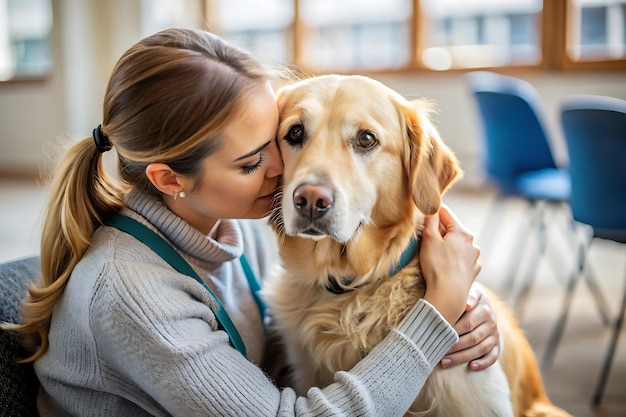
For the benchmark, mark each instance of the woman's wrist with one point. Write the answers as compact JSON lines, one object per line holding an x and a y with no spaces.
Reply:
{"x":446,"y":304}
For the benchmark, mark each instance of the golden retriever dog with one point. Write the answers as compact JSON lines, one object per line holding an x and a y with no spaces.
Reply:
{"x":363,"y":167}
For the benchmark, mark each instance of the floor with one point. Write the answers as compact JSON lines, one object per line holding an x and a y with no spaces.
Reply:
{"x":570,"y":380}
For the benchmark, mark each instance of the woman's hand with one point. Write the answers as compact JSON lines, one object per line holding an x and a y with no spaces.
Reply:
{"x":449,"y":262}
{"x":479,"y":342}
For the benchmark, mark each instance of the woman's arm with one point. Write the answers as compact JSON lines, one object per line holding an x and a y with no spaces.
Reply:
{"x":176,"y":355}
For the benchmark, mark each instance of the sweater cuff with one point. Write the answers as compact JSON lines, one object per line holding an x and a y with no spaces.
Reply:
{"x":427,"y":328}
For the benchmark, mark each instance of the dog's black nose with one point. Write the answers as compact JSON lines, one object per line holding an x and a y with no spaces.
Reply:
{"x":312,"y":201}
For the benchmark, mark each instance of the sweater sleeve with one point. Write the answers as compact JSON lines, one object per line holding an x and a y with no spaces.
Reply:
{"x":386,"y":382}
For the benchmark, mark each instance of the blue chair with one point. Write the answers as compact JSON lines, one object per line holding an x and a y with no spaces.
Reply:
{"x":518,"y":161}
{"x":595,"y":134}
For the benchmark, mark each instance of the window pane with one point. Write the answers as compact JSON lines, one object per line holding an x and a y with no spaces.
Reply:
{"x":481,"y":33}
{"x":597,"y":29}
{"x":355,"y":35}
{"x":261,"y":26}
{"x":24,"y":34}
{"x":162,"y":14}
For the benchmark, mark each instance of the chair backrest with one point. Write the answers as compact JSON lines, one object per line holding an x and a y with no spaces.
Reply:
{"x":18,"y":383}
{"x":595,"y":133}
{"x":513,"y":131}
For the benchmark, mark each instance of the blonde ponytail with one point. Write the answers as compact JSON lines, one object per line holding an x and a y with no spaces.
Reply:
{"x":82,"y":197}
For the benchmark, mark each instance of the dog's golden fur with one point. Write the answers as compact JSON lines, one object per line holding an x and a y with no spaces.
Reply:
{"x":363,"y":166}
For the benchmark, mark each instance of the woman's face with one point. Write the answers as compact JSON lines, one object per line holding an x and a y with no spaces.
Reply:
{"x":240,"y":179}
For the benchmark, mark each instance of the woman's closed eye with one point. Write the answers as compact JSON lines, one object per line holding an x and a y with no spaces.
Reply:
{"x":251,"y":168}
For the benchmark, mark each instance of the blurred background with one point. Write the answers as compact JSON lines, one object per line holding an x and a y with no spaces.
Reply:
{"x":56,"y":56}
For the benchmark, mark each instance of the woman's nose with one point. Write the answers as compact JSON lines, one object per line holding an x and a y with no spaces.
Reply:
{"x":275,"y":162}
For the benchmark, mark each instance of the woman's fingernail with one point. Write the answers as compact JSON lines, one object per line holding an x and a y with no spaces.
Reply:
{"x":445,"y":363}
{"x":470,"y":303}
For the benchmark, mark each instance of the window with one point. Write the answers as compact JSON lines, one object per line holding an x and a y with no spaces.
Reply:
{"x":440,"y":35}
{"x":597,"y":30}
{"x":351,"y":34}
{"x":481,"y":33}
{"x":260,"y":26}
{"x":25,"y":27}
{"x":157,"y":15}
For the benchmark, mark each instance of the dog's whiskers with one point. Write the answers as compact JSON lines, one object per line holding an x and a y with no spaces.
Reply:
{"x":276,"y":217}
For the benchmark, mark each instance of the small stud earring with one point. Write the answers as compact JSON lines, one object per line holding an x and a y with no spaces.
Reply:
{"x":182,"y":194}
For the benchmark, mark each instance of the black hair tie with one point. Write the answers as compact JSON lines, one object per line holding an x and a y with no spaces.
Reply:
{"x":101,"y":140}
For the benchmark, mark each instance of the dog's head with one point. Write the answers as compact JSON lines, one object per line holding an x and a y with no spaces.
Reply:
{"x":357,"y":155}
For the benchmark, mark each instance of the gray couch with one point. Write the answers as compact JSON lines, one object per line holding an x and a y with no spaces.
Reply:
{"x":18,"y":383}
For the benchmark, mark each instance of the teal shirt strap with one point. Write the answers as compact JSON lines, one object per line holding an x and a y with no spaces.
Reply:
{"x":254,"y":285}
{"x":174,"y":259}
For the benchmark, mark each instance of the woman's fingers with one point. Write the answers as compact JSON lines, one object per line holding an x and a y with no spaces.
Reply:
{"x":479,"y":339}
{"x":479,"y":355}
{"x":485,"y":361}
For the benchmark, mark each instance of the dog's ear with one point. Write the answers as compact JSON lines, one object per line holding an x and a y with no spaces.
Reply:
{"x":431,"y":166}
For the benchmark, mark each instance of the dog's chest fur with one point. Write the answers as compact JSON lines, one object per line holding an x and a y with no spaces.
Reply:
{"x":326,"y":332}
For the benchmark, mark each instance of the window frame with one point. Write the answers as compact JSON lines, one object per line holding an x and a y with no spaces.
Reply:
{"x":555,"y":27}
{"x":566,"y":62}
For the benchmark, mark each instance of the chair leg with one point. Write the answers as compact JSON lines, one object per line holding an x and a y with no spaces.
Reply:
{"x":591,"y":281}
{"x":557,"y":332}
{"x":597,"y":295}
{"x":487,"y":235}
{"x":604,"y":374}
{"x":522,"y":239}
{"x":570,"y":234}
{"x":522,"y":295}
{"x":589,"y":277}
{"x":533,"y":264}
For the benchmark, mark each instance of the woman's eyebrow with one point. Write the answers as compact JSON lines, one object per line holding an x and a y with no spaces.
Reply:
{"x":257,"y":150}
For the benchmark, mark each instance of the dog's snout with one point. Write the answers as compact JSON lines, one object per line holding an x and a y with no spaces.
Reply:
{"x":312,"y":201}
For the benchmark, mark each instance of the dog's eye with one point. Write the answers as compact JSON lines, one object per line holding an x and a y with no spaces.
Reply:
{"x":366,"y":139}
{"x":295,"y":134}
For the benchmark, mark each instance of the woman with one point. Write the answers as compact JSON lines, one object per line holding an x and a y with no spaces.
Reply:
{"x":118,"y":329}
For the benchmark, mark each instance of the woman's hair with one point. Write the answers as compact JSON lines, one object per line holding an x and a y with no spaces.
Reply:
{"x":168,"y":99}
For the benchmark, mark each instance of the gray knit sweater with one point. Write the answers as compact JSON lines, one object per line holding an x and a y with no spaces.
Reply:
{"x":132,"y":337}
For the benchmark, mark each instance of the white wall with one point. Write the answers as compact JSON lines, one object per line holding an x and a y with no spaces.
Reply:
{"x":90,"y":35}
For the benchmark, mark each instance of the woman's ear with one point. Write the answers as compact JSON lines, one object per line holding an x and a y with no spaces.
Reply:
{"x":164,"y":179}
